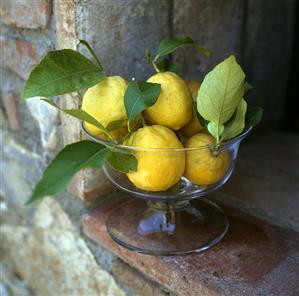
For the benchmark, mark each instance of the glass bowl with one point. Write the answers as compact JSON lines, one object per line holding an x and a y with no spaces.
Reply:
{"x":178,"y":220}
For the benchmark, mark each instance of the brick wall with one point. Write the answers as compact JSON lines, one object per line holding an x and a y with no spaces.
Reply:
{"x":37,"y":243}
{"x":44,"y":238}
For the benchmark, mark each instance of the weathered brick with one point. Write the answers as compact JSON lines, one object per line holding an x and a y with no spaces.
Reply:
{"x":66,"y":38}
{"x":21,"y":56}
{"x":28,"y":14}
{"x":66,"y":32}
{"x":11,"y":109}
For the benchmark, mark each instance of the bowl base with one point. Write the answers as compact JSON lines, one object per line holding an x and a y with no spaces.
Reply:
{"x":167,"y":228}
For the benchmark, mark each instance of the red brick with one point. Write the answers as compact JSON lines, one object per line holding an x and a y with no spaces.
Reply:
{"x":28,"y":14}
{"x":11,"y":110}
{"x":21,"y":56}
{"x":246,"y":262}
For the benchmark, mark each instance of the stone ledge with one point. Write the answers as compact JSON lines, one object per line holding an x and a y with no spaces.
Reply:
{"x":135,"y":281}
{"x":254,"y":258}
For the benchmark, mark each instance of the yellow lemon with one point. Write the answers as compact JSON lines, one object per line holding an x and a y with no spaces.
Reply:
{"x":157,"y":170}
{"x":193,"y":86}
{"x":174,"y":105}
{"x":105,"y":102}
{"x":202,"y":166}
{"x":194,"y":126}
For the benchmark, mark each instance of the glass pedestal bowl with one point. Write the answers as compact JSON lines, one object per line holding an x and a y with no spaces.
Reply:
{"x":179,"y":220}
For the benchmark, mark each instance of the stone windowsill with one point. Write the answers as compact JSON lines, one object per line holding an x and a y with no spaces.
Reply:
{"x":255,"y":257}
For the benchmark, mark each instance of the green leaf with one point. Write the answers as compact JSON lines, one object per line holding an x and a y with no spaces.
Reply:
{"x":247,"y":87}
{"x":170,"y":44}
{"x":253,"y":115}
{"x":167,"y":65}
{"x":215,"y":129}
{"x":139,"y":96}
{"x":66,"y":164}
{"x":61,"y":72}
{"x":115,"y":124}
{"x":237,"y":123}
{"x":123,"y":161}
{"x":204,"y":123}
{"x":81,"y":115}
{"x":221,"y":92}
{"x":90,"y":50}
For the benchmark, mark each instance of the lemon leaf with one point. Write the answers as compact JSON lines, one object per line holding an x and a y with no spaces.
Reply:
{"x":90,"y":50}
{"x":253,"y":115}
{"x":220,"y":93}
{"x":170,"y":44}
{"x":62,"y":71}
{"x":167,"y":65}
{"x":115,"y":124}
{"x":81,"y":115}
{"x":237,"y":123}
{"x":66,"y":164}
{"x":139,"y":96}
{"x":215,"y":129}
{"x":202,"y":121}
{"x":123,"y":161}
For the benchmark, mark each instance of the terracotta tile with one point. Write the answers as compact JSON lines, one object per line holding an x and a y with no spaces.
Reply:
{"x":244,"y":263}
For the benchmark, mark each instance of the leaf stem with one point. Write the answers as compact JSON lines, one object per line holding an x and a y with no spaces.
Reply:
{"x":91,"y":53}
{"x":217,"y":140}
{"x":216,"y":150}
{"x":154,"y":64}
{"x":110,"y":137}
{"x":142,"y":120}
{"x":148,"y":56}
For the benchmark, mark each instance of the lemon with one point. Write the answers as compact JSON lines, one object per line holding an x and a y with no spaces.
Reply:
{"x":202,"y":166}
{"x":194,"y":126}
{"x":174,"y":104}
{"x":105,"y":102}
{"x":193,"y":86}
{"x":157,"y":170}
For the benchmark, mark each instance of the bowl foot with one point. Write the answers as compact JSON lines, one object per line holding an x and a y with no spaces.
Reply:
{"x":167,"y":228}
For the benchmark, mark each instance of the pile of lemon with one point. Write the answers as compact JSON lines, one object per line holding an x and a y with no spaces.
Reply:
{"x":171,"y":125}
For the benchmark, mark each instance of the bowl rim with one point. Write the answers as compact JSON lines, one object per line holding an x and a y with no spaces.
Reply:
{"x":111,"y":144}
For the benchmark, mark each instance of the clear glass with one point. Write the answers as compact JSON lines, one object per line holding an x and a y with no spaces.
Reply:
{"x":179,"y":220}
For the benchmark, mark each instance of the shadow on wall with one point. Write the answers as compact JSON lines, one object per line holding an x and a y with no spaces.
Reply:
{"x":291,"y":118}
